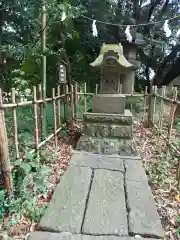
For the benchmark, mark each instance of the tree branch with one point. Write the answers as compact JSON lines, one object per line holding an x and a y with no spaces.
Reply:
{"x":165,"y":68}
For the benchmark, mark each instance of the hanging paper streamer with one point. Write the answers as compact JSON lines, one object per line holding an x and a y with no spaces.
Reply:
{"x":128,"y":34}
{"x":63,"y":16}
{"x":166,"y":28}
{"x":94,"y":29}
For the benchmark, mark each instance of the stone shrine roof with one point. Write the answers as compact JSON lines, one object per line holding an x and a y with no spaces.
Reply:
{"x":114,"y":51}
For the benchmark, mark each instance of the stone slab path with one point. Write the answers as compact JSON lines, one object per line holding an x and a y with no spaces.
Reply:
{"x":101,"y":197}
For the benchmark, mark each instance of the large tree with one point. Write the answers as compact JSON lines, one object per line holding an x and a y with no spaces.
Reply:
{"x":72,"y":40}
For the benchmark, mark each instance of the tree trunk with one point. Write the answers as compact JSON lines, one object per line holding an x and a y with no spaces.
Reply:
{"x":4,"y":156}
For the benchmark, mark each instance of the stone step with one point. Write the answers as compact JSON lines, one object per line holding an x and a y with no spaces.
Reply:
{"x":106,"y":209}
{"x":96,"y":201}
{"x":108,"y":130}
{"x":142,"y":214}
{"x":69,"y":236}
{"x":135,"y":170}
{"x":143,"y":217}
{"x":120,"y":119}
{"x":107,"y":146}
{"x":66,"y":209}
{"x":97,"y":161}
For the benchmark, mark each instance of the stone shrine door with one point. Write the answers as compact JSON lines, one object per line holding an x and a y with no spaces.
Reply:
{"x":110,"y":83}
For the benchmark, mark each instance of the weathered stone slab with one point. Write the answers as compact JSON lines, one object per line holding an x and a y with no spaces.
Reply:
{"x":66,"y":209}
{"x":123,"y":147}
{"x":143,"y":217}
{"x":107,"y":146}
{"x":97,"y":161}
{"x":107,"y":130}
{"x":106,"y":209}
{"x":69,"y":236}
{"x":135,"y":171}
{"x":89,"y":144}
{"x":122,"y":119}
{"x":110,"y":146}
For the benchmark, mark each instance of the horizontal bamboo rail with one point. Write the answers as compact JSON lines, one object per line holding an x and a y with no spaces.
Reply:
{"x":46,"y":140}
{"x":22,"y":104}
{"x":126,"y":95}
{"x":168,"y":100}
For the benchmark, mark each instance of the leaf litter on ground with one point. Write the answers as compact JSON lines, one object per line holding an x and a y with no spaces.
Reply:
{"x":162,"y":178}
{"x":58,"y":160}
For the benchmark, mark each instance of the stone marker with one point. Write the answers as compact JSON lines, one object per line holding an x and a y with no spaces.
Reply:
{"x":66,"y":209}
{"x":68,"y":236}
{"x":106,"y":210}
{"x":143,"y":217}
{"x":135,"y":171}
{"x":97,"y":161}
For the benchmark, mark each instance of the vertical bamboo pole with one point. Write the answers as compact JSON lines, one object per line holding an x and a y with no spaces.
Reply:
{"x":41,"y":111}
{"x":4,"y":152}
{"x":150,"y":108}
{"x":36,"y":134}
{"x":66,"y":102}
{"x":72,"y":101}
{"x":178,"y":174}
{"x":75,"y":102}
{"x":14,"y":124}
{"x":145,"y":93}
{"x":162,"y":94}
{"x":44,"y":63}
{"x":59,"y":105}
{"x":154,"y":103}
{"x":171,"y":120}
{"x":54,"y":116}
{"x":96,"y":89}
{"x":85,"y":107}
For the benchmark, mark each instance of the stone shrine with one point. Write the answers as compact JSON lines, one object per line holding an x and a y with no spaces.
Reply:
{"x":113,"y":67}
{"x":108,"y":128}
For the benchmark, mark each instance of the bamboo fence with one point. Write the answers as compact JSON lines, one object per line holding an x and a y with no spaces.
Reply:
{"x":69,"y":99}
{"x":166,"y":134}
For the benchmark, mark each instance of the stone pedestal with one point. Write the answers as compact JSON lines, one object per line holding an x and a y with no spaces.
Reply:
{"x":106,"y":133}
{"x":108,"y":103}
{"x":108,"y":125}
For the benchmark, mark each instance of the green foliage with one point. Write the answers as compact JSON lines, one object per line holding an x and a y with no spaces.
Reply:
{"x":80,"y":106}
{"x":29,"y":180}
{"x":160,"y":170}
{"x":178,"y":229}
{"x":135,"y":103}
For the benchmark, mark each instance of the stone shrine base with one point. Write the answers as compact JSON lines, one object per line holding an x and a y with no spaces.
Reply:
{"x":108,"y":134}
{"x":122,"y":147}
{"x":108,"y":125}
